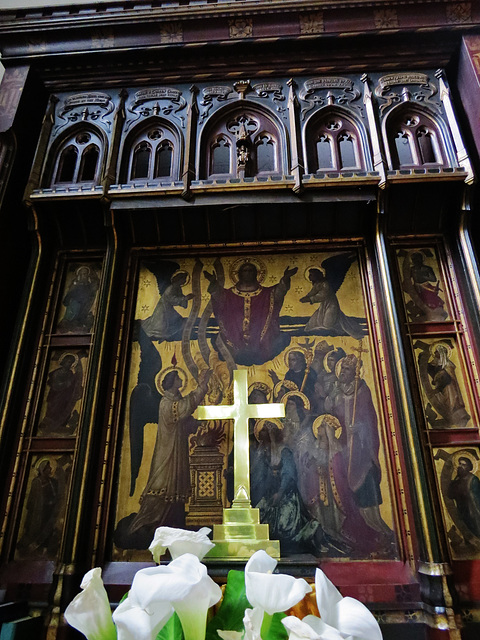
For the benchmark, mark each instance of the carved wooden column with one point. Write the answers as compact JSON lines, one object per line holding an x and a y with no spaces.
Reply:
{"x":297,"y":164}
{"x":188,"y":172}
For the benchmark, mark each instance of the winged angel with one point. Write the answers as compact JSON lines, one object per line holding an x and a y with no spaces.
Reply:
{"x":329,"y":319}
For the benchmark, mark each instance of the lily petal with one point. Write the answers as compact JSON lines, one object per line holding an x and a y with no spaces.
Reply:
{"x":89,"y":612}
{"x":349,"y":616}
{"x":328,"y":597}
{"x":230,"y":635}
{"x":354,"y":619}
{"x":135,"y":623}
{"x":311,"y":628}
{"x":271,"y":592}
{"x":180,"y":541}
{"x":252,"y":621}
{"x":185,"y":584}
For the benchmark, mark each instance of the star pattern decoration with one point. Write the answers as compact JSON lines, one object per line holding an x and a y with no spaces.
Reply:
{"x":298,"y":289}
{"x":145,"y":307}
{"x":146,"y":282}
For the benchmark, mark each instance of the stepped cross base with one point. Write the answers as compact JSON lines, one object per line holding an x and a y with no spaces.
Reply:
{"x":241,"y":534}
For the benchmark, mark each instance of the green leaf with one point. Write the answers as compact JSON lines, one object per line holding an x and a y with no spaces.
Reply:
{"x":230,"y":615}
{"x":124,"y":597}
{"x":172,"y":630}
{"x":272,"y":627}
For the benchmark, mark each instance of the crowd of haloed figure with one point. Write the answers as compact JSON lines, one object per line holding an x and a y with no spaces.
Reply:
{"x":315,"y":474}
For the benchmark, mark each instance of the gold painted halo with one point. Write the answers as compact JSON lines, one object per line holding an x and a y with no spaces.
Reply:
{"x":177,"y":272}
{"x":325,"y":360}
{"x":307,"y":271}
{"x":259,"y":424}
{"x":299,"y":394}
{"x":465,"y":454}
{"x":434,"y":345}
{"x":287,"y":384}
{"x":338,"y":366}
{"x":289,"y":350}
{"x":318,"y":422}
{"x":260,"y":386}
{"x":69,"y":353}
{"x":259,"y":264}
{"x":160,"y":377}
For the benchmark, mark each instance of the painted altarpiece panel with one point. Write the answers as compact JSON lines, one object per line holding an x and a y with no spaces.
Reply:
{"x":78,"y":300}
{"x":458,"y":479}
{"x":299,"y":324}
{"x":44,"y":507}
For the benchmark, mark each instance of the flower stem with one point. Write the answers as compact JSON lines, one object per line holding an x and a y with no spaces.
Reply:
{"x":266,"y":624}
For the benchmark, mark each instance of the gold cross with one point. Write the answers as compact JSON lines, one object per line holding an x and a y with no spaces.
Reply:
{"x":240,"y":411}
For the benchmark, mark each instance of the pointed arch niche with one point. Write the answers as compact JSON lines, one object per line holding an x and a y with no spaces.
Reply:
{"x":414,"y":139}
{"x":151,"y":153}
{"x":77,"y":158}
{"x":243,"y":142}
{"x":334,"y":141}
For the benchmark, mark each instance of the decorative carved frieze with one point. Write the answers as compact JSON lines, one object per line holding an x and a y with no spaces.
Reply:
{"x":459,"y":12}
{"x":93,"y":106}
{"x":240,"y":28}
{"x":402,"y":87}
{"x":385,"y":18}
{"x":326,"y":91}
{"x":273,"y":89}
{"x":220,"y":93}
{"x":311,"y":23}
{"x":159,"y":101}
{"x":171,"y":32}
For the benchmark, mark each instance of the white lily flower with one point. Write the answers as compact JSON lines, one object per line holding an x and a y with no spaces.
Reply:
{"x":89,"y":612}
{"x":252,"y":623}
{"x":268,"y":591}
{"x":136,"y":623}
{"x":185,"y":585}
{"x":350,"y":617}
{"x":310,"y":628}
{"x":180,"y":541}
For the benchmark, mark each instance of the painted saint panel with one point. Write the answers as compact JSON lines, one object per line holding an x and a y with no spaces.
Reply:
{"x":443,"y":386}
{"x":79,"y":298}
{"x":458,"y":476}
{"x":424,"y":291}
{"x":298,"y":324}
{"x":62,"y":398}
{"x":44,"y":507}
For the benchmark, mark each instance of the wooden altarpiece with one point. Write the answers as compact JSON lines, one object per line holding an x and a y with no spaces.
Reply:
{"x":304,"y":229}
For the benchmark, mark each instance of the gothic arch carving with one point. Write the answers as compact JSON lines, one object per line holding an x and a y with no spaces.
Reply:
{"x":247,"y":137}
{"x":415,"y":137}
{"x":77,"y":157}
{"x":152,"y":151}
{"x":335,"y":140}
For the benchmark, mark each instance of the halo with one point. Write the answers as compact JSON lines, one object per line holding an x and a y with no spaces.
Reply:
{"x":338,"y":366}
{"x":434,"y":345}
{"x":259,"y":424}
{"x":69,"y":353}
{"x":325,"y":360}
{"x":259,"y":264}
{"x":287,"y":384}
{"x":307,"y":271}
{"x":465,"y":454}
{"x":318,"y":422}
{"x":83,"y":266}
{"x":39,"y":462}
{"x":160,"y":377}
{"x":299,"y":394}
{"x":177,"y":272}
{"x":260,"y":386}
{"x":288,"y":351}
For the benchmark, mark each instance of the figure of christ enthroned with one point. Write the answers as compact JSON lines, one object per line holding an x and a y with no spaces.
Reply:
{"x":248,"y":315}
